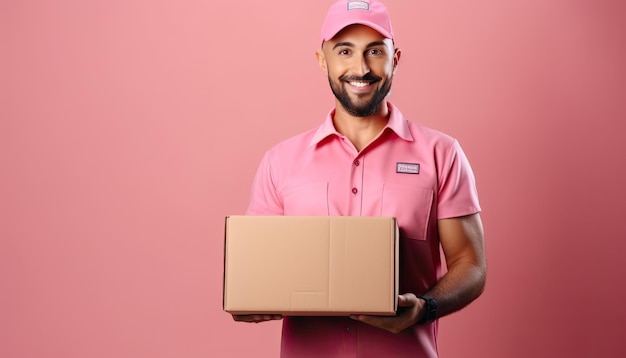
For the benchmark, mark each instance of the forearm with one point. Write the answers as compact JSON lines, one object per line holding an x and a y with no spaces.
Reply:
{"x":461,"y":285}
{"x":463,"y":245}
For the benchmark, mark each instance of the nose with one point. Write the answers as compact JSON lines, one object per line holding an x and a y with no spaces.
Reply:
{"x":360,"y":66}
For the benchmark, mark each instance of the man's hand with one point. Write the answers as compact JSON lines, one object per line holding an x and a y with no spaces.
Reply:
{"x":256,"y":318}
{"x":410,"y":310}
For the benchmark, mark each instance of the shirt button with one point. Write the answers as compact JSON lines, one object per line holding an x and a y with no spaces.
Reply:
{"x":355,"y":190}
{"x":356,"y":163}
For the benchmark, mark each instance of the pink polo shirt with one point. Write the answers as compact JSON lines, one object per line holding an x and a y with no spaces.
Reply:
{"x":409,"y":171}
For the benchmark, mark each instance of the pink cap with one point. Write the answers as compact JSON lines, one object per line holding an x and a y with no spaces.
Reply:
{"x":343,"y":13}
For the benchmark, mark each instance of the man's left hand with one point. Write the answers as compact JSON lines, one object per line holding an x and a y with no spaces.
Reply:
{"x":410,"y":310}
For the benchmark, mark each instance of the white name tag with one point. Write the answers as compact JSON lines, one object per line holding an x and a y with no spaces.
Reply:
{"x":408,"y":168}
{"x":358,"y":5}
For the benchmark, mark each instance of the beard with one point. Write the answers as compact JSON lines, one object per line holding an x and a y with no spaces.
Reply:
{"x":360,"y":107}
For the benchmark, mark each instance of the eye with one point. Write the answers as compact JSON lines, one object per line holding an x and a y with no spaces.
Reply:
{"x":375,"y":52}
{"x":345,"y":51}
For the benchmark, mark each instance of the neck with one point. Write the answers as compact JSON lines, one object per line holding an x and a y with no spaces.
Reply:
{"x":360,"y":130}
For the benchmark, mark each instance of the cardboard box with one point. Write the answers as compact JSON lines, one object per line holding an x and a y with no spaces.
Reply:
{"x":311,"y":265}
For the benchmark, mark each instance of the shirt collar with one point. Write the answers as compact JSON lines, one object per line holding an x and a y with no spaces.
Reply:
{"x":396,"y":123}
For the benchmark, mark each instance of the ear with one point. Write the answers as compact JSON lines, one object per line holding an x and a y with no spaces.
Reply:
{"x":396,"y":59}
{"x":321,"y":60}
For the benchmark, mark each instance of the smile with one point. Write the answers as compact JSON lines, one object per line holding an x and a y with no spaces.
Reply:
{"x":359,"y":84}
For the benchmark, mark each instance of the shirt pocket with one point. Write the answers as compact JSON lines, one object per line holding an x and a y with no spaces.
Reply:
{"x":309,"y":199}
{"x":411,"y":206}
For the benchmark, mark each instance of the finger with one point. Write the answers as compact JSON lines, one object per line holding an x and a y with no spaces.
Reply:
{"x":256,"y":318}
{"x":253,"y":318}
{"x":272,"y":317}
{"x":372,"y":320}
{"x":264,"y":318}
{"x":242,"y":318}
{"x":248,"y":318}
{"x":407,"y":300}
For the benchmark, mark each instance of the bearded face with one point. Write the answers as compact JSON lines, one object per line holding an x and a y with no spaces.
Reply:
{"x":360,"y":104}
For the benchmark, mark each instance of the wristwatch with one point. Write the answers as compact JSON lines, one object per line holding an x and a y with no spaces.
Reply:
{"x":431,"y":309}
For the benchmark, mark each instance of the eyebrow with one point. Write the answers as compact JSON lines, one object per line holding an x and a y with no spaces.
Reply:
{"x":350,"y":44}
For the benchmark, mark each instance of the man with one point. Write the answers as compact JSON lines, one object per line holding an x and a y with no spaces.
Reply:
{"x":367,"y":159}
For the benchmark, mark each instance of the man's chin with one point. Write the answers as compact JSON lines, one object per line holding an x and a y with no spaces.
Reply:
{"x":358,"y":105}
{"x":362,"y":111}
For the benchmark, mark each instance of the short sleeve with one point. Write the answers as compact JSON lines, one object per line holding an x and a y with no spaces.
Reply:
{"x":264,"y":199}
{"x":457,"y":194}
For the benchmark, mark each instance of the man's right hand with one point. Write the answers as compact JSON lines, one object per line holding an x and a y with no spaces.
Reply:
{"x":256,"y":318}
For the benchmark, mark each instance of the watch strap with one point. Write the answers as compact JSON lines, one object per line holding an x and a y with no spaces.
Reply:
{"x":431,"y":309}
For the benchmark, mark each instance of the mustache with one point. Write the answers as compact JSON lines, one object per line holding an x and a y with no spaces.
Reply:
{"x":369,"y":77}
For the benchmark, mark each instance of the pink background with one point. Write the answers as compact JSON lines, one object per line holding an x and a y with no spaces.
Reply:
{"x":130,"y":128}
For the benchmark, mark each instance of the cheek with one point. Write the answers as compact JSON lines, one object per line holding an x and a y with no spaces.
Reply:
{"x":387,"y":70}
{"x":335,"y":67}
{"x":333,"y":73}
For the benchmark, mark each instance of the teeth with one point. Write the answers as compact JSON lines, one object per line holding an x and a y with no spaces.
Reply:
{"x":359,"y":84}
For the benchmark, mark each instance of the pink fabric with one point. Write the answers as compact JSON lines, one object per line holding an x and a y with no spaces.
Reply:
{"x":343,"y":13}
{"x":320,"y":172}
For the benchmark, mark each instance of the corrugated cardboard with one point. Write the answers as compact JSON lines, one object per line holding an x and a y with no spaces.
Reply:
{"x":312,"y":265}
